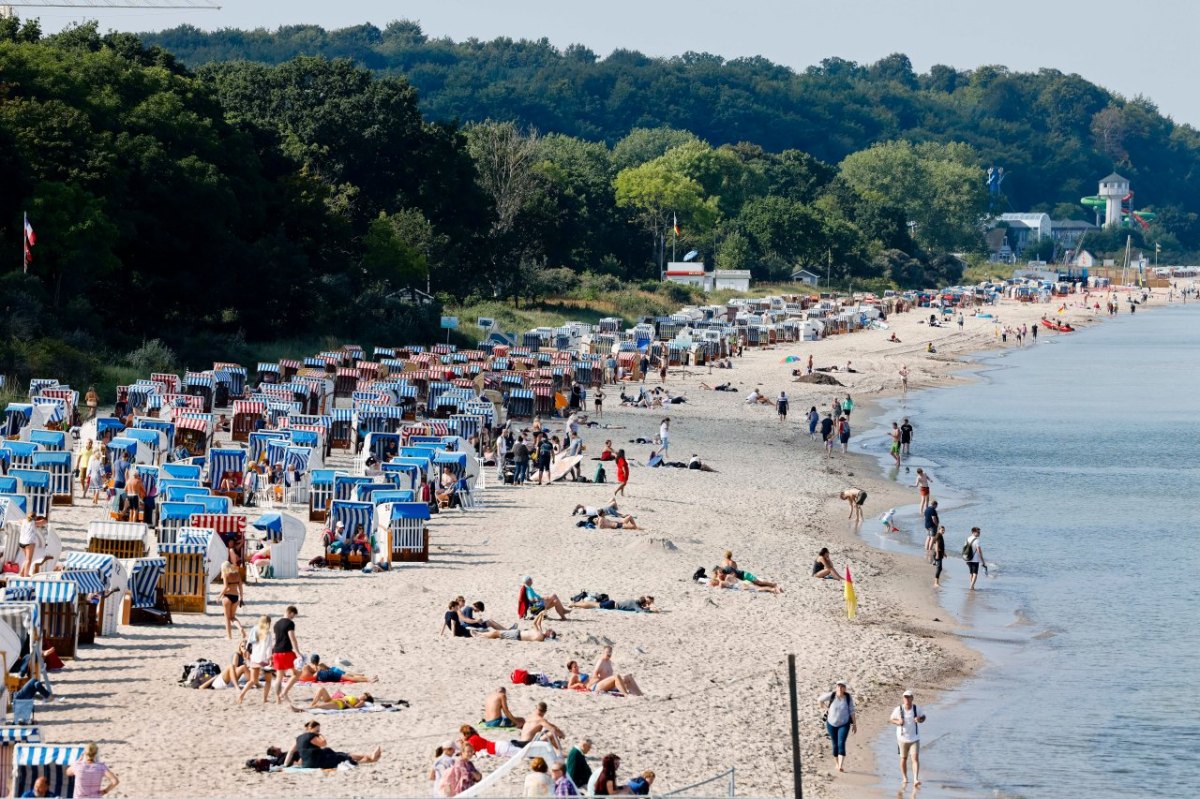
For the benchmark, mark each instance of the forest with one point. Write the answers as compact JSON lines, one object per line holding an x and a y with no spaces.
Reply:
{"x":199,"y":195}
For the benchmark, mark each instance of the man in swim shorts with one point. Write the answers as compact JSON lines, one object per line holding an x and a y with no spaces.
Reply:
{"x":496,"y":712}
{"x":895,"y":449}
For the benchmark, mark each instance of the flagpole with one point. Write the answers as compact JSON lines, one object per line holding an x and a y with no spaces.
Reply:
{"x":24,"y":242}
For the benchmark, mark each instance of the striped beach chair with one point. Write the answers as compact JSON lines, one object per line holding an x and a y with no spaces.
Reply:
{"x":10,"y":737}
{"x":114,"y":583}
{"x":185,"y":576}
{"x":58,"y":464}
{"x":147,"y":602}
{"x":58,"y":606}
{"x":355,"y":516}
{"x":407,"y":533}
{"x":230,"y":527}
{"x":34,"y":760}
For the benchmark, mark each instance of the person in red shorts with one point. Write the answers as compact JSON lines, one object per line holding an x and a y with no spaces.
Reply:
{"x":283,"y":654}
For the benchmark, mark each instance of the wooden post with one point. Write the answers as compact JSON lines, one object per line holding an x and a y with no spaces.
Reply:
{"x":796,"y":776}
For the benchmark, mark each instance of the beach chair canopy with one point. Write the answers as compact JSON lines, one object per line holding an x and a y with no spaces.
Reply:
{"x":325,"y":477}
{"x":33,"y":760}
{"x":154,"y":439}
{"x":456,"y":459}
{"x":87,"y":581}
{"x":390,"y":495}
{"x":354,"y":515}
{"x":15,"y":500}
{"x":176,"y":511}
{"x":31,"y":478}
{"x":409,"y":510}
{"x":222,"y":461}
{"x":49,"y":439}
{"x":185,"y":471}
{"x":363,"y":491}
{"x":107,"y":566}
{"x":298,"y":457}
{"x":124,"y":444}
{"x":42,"y":591}
{"x":108,"y":424}
{"x":22,"y":449}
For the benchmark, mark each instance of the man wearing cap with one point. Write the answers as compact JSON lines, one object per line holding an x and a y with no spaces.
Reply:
{"x":907,"y":718}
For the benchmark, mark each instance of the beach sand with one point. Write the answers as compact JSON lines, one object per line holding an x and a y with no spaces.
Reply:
{"x":712,"y":665}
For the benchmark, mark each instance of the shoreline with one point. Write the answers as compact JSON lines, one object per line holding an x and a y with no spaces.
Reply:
{"x":932,"y":688}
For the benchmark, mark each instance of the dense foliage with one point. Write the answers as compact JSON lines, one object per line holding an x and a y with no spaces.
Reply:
{"x":1055,"y":134}
{"x":289,"y":195}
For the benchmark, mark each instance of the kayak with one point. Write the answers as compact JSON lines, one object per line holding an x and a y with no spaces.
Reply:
{"x":1061,"y":328}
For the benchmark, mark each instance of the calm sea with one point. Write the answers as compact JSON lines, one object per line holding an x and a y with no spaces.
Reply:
{"x":1079,"y":459}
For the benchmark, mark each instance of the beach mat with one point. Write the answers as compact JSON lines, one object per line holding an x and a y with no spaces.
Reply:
{"x":367,"y":709}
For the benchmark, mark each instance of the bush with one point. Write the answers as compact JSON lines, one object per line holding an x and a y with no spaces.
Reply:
{"x":152,"y":356}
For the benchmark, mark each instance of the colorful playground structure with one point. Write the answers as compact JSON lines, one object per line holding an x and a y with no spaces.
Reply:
{"x":1114,"y":203}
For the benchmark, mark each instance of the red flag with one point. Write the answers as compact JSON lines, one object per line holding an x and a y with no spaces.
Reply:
{"x":30,"y":237}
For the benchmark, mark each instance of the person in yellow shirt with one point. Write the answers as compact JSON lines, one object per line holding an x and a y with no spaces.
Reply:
{"x":85,"y":459}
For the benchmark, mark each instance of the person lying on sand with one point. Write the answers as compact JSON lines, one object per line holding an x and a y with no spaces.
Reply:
{"x":626,"y":522}
{"x":312,"y":751}
{"x":643,"y":604}
{"x":719,"y":580}
{"x":316,"y":671}
{"x":729,"y":566}
{"x":589,"y":510}
{"x":323,"y":700}
{"x":722,"y":387}
{"x":537,"y":634}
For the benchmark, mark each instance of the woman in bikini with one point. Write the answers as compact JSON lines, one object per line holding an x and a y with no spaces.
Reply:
{"x":626,"y":522}
{"x":323,"y":700}
{"x":316,"y":671}
{"x":231,"y":595}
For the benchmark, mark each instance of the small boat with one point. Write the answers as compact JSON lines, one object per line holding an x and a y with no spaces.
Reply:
{"x":1061,"y":328}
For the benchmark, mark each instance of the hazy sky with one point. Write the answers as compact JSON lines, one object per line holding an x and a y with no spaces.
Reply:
{"x":1147,"y":47}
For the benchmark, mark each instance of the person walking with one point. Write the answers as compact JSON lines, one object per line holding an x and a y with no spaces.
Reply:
{"x":847,"y":404}
{"x":31,"y":539}
{"x":645,"y":365}
{"x":839,"y":719}
{"x":814,"y":419}
{"x":922,"y":486}
{"x":664,"y":436}
{"x":827,"y":434}
{"x":906,"y":431}
{"x":85,"y":459}
{"x":973,"y":554}
{"x":781,"y":406}
{"x":960,"y":322}
{"x":932,"y":521}
{"x":844,"y":434}
{"x":284,"y":653}
{"x":938,"y":552}
{"x":904,"y":378}
{"x":92,"y":400}
{"x":894,"y":433}
{"x":908,"y":718}
{"x":622,"y":474}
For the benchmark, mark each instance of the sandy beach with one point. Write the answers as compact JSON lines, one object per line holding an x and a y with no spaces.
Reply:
{"x":712,"y":664}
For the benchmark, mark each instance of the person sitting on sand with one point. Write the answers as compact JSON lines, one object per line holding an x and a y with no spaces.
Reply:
{"x":496,"y":712}
{"x":312,"y":751}
{"x":471,"y":616}
{"x":930,"y":348}
{"x":643,"y":604}
{"x":538,"y":723}
{"x":893,"y":338}
{"x":608,"y":453}
{"x":316,"y":671}
{"x":229,"y":677}
{"x":535,"y":603}
{"x":626,"y":522}
{"x":536,"y":635}
{"x":698,"y":465}
{"x":823,"y":566}
{"x":755,"y":397}
{"x":604,"y":677}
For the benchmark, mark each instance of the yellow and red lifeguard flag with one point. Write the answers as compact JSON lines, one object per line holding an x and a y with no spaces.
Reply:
{"x":851,"y":598}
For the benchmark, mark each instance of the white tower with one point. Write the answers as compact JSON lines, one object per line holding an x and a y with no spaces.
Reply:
{"x":1113,"y":189}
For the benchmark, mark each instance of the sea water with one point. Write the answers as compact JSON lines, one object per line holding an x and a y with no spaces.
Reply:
{"x":1078,"y":457}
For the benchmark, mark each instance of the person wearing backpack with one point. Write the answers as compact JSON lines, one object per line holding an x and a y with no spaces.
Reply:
{"x":907,"y":718}
{"x":972,"y":553}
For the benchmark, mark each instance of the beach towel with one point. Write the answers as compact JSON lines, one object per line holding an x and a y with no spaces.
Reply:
{"x":522,"y":603}
{"x":371,"y":708}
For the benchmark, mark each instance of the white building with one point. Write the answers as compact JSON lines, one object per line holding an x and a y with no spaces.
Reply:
{"x":1026,"y":229}
{"x":1114,"y":189}
{"x":691,"y":273}
{"x":806,"y":277}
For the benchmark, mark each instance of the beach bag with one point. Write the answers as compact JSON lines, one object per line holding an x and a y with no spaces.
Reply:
{"x":968,"y":548}
{"x":601,"y":476}
{"x":519,"y":676}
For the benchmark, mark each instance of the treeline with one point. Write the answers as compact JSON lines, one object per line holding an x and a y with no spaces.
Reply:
{"x":1055,"y":134}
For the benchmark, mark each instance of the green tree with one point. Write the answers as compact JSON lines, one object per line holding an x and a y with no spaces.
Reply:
{"x":658,"y":195}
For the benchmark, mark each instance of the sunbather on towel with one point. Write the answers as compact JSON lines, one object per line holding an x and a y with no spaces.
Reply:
{"x":323,"y":700}
{"x":719,"y":580}
{"x":230,"y":677}
{"x":316,"y":671}
{"x":729,"y":566}
{"x":535,"y":635}
{"x":589,"y":510}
